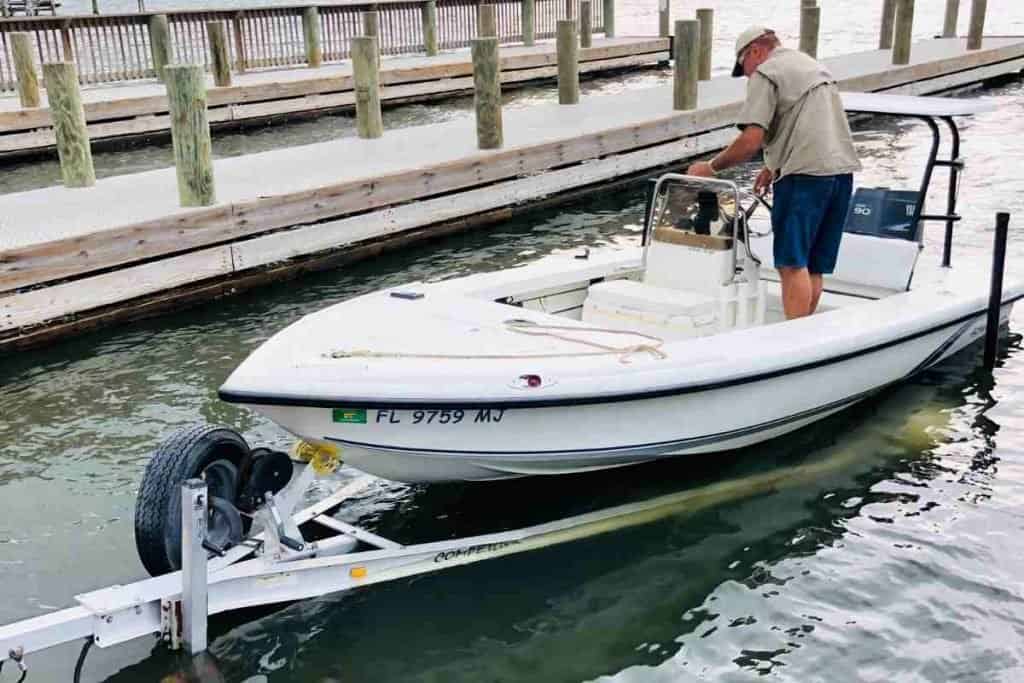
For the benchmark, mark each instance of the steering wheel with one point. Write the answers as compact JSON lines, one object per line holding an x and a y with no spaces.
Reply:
{"x":748,"y":210}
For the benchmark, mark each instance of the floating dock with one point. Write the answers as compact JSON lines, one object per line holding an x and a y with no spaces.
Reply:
{"x":72,"y":260}
{"x":132,"y":109}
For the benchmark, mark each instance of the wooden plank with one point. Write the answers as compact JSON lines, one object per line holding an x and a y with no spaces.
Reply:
{"x":50,"y":303}
{"x":311,"y":239}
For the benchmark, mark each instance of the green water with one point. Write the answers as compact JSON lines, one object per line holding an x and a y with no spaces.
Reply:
{"x":899,"y":561}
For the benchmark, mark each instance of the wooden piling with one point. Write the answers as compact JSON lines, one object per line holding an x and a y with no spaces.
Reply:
{"x":159,"y":43}
{"x":810,"y":23}
{"x":311,"y":36}
{"x":904,"y":32}
{"x":568,"y":62}
{"x":371,"y":29}
{"x":486,"y":22}
{"x":487,"y":93}
{"x":528,"y":16}
{"x":430,"y":28}
{"x":706,"y":17}
{"x":888,"y":22}
{"x":25,"y":69}
{"x":663,"y":18}
{"x":76,"y":167}
{"x":609,"y":18}
{"x":369,"y":123}
{"x":241,"y":61}
{"x":190,"y":134}
{"x":950,"y":21}
{"x":371,"y":23}
{"x":220,"y":61}
{"x":687,"y":57}
{"x":585,"y":24}
{"x":977,"y":27}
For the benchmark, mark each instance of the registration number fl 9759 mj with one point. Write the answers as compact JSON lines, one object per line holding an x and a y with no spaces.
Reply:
{"x":439,"y":416}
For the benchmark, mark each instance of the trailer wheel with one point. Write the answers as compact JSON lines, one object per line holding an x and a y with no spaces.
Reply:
{"x":205,"y":451}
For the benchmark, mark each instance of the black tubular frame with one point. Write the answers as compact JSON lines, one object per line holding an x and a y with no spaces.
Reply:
{"x":955,"y":166}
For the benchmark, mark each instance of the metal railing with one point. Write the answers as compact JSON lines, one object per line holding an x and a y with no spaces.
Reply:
{"x":116,"y":47}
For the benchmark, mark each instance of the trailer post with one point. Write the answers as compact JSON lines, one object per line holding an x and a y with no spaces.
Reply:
{"x":194,"y":602}
{"x":995,"y":294}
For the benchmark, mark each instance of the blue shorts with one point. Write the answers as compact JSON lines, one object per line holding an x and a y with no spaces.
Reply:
{"x":808,"y":218}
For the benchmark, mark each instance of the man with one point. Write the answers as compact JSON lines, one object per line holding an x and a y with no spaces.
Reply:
{"x":794,"y":111}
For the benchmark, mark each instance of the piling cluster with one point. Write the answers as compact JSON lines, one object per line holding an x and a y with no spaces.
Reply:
{"x":186,"y":83}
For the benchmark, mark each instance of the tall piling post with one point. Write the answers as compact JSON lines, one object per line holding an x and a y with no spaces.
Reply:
{"x":586,"y":25}
{"x":995,"y":293}
{"x":219,"y":59}
{"x":706,"y":17}
{"x":371,"y":28}
{"x":311,"y":37}
{"x":159,"y":43}
{"x":950,"y":20}
{"x":68,"y":114}
{"x":810,"y":25}
{"x":190,"y":134}
{"x":25,"y":69}
{"x":487,"y":93}
{"x":664,"y":17}
{"x":609,"y":18}
{"x":486,"y":21}
{"x":977,"y":27}
{"x":529,"y":22}
{"x":567,"y":47}
{"x":904,"y":32}
{"x":686,"y":50}
{"x":430,"y":28}
{"x":194,"y":570}
{"x":365,"y":72}
{"x":888,"y":23}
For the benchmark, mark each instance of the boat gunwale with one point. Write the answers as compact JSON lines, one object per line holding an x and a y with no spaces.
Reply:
{"x":269,"y":399}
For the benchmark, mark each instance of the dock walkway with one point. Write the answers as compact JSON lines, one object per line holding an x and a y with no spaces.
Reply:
{"x":94,"y":254}
{"x":132,"y":108}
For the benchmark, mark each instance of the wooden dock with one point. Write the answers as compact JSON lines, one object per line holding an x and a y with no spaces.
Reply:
{"x":72,"y":260}
{"x":134,"y":109}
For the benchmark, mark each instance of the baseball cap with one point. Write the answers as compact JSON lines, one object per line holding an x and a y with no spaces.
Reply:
{"x":745,"y":39}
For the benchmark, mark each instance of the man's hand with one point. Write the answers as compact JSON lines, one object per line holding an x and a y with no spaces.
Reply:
{"x":763,"y":182}
{"x":701,"y":168}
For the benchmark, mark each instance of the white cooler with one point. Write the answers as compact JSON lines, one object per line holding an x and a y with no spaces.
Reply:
{"x":657,"y":311}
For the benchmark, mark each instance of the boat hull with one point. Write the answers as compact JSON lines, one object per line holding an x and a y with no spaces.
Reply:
{"x":471,"y":440}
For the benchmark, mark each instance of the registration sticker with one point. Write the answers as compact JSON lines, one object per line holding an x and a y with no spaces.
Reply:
{"x":355,"y":416}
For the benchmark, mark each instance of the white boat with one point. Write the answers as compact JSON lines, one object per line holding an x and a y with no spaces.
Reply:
{"x":588,"y":361}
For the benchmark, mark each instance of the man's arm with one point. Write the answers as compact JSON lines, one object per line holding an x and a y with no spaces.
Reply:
{"x":755,"y":118}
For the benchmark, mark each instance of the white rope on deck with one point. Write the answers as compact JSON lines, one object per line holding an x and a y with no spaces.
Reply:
{"x":534,"y":329}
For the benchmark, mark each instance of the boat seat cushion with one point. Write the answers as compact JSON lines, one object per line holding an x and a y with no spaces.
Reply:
{"x":865,"y":261}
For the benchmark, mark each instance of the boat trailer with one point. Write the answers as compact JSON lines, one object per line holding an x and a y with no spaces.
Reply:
{"x":277,"y":565}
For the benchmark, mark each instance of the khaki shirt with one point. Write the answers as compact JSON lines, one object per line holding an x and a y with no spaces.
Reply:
{"x":796,"y":100}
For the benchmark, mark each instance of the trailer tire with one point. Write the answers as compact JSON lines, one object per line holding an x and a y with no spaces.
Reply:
{"x":181,"y":456}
